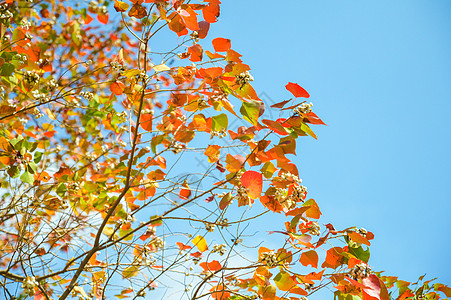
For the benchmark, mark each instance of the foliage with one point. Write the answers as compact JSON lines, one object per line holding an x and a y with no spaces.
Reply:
{"x":99,"y":132}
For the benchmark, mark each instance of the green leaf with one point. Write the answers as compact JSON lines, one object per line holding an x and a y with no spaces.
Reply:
{"x":360,"y":253}
{"x":27,"y":177}
{"x":219,"y":122}
{"x":37,"y":157}
{"x":308,"y":130}
{"x":251,"y":111}
{"x":61,"y":189}
{"x":7,"y":69}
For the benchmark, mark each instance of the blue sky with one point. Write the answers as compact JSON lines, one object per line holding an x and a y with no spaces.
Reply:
{"x":378,"y":73}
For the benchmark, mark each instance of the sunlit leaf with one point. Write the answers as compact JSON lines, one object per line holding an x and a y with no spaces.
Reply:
{"x":297,"y":90}
{"x":200,"y":243}
{"x":309,"y":258}
{"x":221,"y":44}
{"x":253,"y":182}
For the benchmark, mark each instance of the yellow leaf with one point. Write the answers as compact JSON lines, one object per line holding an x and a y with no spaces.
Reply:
{"x":161,"y":68}
{"x":130,"y":272}
{"x":200,"y":243}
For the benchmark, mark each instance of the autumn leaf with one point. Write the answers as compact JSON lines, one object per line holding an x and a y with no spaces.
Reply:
{"x":253,"y":182}
{"x":211,"y":266}
{"x":309,"y":258}
{"x":297,"y":90}
{"x":221,"y":44}
{"x":138,"y":11}
{"x":131,"y":271}
{"x":120,"y":6}
{"x":117,"y":88}
{"x":213,"y":153}
{"x":200,"y":243}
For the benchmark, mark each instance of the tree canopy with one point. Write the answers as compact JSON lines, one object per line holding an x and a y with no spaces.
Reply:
{"x":107,"y":110}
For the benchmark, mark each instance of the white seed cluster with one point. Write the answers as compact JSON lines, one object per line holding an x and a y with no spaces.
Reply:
{"x":95,"y":7}
{"x":360,"y":271}
{"x":362,"y":231}
{"x":289,"y":176}
{"x":304,"y":108}
{"x":242,"y":194}
{"x":41,"y":97}
{"x":118,"y":67}
{"x":269,"y":259}
{"x":141,"y":77}
{"x":222,"y":133}
{"x":31,"y":77}
{"x":51,"y":85}
{"x":157,"y":242}
{"x":4,"y":12}
{"x":218,"y":96}
{"x":210,"y":227}
{"x":87,"y":95}
{"x":29,"y":284}
{"x":37,"y":113}
{"x":299,"y":193}
{"x":315,"y":228}
{"x":224,"y":223}
{"x":221,"y":249}
{"x":195,"y":36}
{"x":25,"y":24}
{"x":243,"y":78}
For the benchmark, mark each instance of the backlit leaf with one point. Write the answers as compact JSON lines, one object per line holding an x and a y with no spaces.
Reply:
{"x":200,"y":243}
{"x":253,"y":182}
{"x":297,"y":90}
{"x":309,"y":258}
{"x":221,"y":44}
{"x":120,"y":6}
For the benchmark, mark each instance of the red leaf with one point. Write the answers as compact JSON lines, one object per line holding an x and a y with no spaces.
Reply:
{"x":137,"y":11}
{"x":334,"y":258}
{"x":103,"y":18}
{"x":221,"y":44}
{"x":196,"y":53}
{"x":209,"y":199}
{"x":297,"y":90}
{"x":117,"y":88}
{"x":189,"y":18}
{"x":211,"y":12}
{"x":203,"y":29}
{"x":211,"y":266}
{"x":253,"y":182}
{"x":280,"y":104}
{"x":183,"y":246}
{"x":374,"y":288}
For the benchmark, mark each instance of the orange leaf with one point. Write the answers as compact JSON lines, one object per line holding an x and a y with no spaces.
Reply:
{"x":233,"y":163}
{"x":137,"y":11}
{"x":309,"y":258}
{"x":195,"y":52}
{"x":211,"y":266}
{"x":297,"y":90}
{"x":221,"y":44}
{"x":117,"y":88}
{"x":253,"y":182}
{"x":120,"y":6}
{"x":334,"y":258}
{"x":146,"y":122}
{"x":183,"y":246}
{"x":358,"y":238}
{"x":213,"y":153}
{"x":103,"y":18}
{"x":189,"y":18}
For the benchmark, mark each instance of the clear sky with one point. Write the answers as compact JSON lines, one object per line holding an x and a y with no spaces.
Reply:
{"x":378,"y":73}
